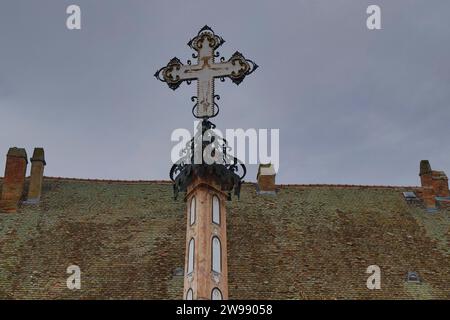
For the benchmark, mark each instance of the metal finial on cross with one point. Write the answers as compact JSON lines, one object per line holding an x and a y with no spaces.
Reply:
{"x":205,"y":71}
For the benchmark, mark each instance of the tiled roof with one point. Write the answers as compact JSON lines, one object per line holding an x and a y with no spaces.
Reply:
{"x":307,"y":242}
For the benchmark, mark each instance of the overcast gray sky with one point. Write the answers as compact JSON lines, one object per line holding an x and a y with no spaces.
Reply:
{"x":352,"y":105}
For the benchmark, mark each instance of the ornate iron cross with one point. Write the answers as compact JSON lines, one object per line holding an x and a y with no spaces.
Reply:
{"x":205,"y":71}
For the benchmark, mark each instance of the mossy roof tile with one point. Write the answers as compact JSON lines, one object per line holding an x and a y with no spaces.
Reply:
{"x":307,"y":242}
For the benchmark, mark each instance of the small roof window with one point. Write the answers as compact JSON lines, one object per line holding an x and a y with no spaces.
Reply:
{"x":178,"y":272}
{"x":410,"y":196}
{"x":413,"y":277}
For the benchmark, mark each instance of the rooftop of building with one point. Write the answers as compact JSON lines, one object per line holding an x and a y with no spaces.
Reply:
{"x":306,"y":242}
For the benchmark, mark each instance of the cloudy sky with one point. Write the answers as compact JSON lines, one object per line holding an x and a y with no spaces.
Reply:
{"x":352,"y":105}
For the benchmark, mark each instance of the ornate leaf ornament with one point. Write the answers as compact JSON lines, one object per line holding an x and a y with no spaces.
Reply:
{"x":228,"y":170}
{"x":246,"y":67}
{"x":206,"y":32}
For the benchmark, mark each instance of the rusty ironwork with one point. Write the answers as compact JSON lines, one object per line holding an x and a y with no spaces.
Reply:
{"x":226,"y":169}
{"x":206,"y":71}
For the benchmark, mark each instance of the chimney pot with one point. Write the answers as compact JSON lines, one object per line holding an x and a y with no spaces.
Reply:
{"x":37,"y":175}
{"x":425,"y":167}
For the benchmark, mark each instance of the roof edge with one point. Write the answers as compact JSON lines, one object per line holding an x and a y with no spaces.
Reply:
{"x":280,"y":186}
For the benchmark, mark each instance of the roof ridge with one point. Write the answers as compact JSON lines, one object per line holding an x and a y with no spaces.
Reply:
{"x":107,"y":180}
{"x":287,"y":185}
{"x":348,"y":186}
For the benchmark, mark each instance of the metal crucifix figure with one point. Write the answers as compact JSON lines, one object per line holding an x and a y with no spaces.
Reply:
{"x":205,"y":71}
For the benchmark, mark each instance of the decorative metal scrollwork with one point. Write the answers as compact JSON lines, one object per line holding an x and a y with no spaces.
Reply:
{"x":167,"y":73}
{"x":228,"y":170}
{"x":246,"y":67}
{"x":195,"y":99}
{"x":216,"y":106}
{"x":205,"y":44}
{"x":207,"y":33}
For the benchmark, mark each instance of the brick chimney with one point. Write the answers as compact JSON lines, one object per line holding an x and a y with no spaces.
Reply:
{"x":37,"y":173}
{"x":434,"y":184}
{"x":266,"y":179}
{"x":14,"y":180}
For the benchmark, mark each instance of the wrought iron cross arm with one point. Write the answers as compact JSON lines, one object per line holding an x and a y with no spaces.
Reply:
{"x":236,"y":68}
{"x":175,"y":73}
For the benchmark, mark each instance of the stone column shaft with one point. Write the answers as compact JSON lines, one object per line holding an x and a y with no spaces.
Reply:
{"x":203,"y":279}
